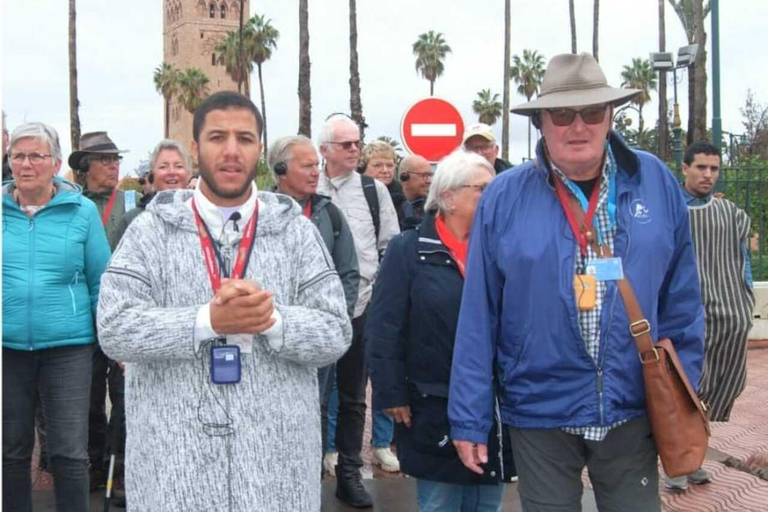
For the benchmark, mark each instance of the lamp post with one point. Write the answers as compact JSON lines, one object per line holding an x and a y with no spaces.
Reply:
{"x":663,"y":61}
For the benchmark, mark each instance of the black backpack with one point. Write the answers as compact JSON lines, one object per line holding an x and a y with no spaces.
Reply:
{"x":372,"y":198}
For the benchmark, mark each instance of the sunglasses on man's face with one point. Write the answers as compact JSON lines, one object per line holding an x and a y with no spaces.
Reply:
{"x":347,"y":144}
{"x":566,"y":116}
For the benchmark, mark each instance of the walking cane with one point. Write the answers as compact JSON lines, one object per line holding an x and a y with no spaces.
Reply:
{"x":115,"y":432}
{"x":110,"y":474}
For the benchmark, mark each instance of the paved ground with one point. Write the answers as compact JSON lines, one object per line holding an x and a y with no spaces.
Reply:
{"x":733,"y":443}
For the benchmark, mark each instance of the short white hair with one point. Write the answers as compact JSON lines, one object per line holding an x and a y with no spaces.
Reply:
{"x":281,"y":150}
{"x":173,"y":145}
{"x":452,"y":173}
{"x":330,"y":124}
{"x":41,"y":132}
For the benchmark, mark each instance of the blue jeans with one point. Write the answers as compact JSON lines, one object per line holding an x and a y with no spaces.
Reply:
{"x":62,"y":378}
{"x":383,"y":429}
{"x":441,"y":497}
{"x":333,"y":416}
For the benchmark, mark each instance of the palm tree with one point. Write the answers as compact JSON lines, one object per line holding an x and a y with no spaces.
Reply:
{"x":527,"y":74}
{"x":305,"y":92}
{"x":430,"y":50}
{"x":595,"y":31}
{"x":355,"y":101}
{"x":572,"y":11}
{"x":241,"y":50}
{"x":505,"y":90}
{"x":265,"y":38}
{"x":641,"y":76}
{"x":663,"y":124}
{"x":193,"y":88}
{"x":228,"y":55}
{"x":167,"y":84}
{"x":687,"y":14}
{"x":487,"y":107}
{"x":699,"y":76}
{"x":74,"y":102}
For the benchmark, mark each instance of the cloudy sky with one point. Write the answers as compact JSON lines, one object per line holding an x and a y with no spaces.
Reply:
{"x":120,"y":44}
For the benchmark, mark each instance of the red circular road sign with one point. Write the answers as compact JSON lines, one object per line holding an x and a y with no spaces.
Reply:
{"x":432,"y":128}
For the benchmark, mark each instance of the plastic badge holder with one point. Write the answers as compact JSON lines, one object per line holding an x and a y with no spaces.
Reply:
{"x":225,"y":364}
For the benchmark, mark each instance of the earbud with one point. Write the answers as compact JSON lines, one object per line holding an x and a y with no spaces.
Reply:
{"x":281,"y":168}
{"x":536,"y":120}
{"x":405,"y":176}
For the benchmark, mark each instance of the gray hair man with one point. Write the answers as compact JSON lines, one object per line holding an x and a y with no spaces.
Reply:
{"x":541,"y":299}
{"x":372,"y":218}
{"x":479,"y":138}
{"x":415,"y":176}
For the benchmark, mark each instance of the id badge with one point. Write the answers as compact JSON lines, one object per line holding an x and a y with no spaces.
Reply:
{"x":605,"y":269}
{"x":585,"y":290}
{"x":244,"y":341}
{"x":225,"y":364}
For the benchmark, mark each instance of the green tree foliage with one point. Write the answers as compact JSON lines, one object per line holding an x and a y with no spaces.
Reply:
{"x":527,"y":72}
{"x":430,"y":51}
{"x":193,"y":88}
{"x":228,"y":54}
{"x":640,"y":76}
{"x":265,"y":38}
{"x":487,"y":107}
{"x":166,"y":80}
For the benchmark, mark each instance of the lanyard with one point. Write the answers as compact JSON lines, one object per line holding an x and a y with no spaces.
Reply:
{"x":308,"y":208}
{"x":213,"y":262}
{"x":108,"y":208}
{"x":583,"y":237}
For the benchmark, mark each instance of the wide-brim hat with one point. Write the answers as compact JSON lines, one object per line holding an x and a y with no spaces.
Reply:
{"x":574,"y":81}
{"x":93,"y":143}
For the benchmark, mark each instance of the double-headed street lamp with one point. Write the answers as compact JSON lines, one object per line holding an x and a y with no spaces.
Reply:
{"x":663,"y":61}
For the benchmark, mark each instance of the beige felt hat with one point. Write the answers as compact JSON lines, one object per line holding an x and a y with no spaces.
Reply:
{"x":573,"y":81}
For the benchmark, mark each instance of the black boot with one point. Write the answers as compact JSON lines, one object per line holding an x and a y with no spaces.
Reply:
{"x":349,"y":488}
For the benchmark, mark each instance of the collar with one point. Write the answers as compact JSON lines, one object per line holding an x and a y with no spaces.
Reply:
{"x":429,"y":241}
{"x":692,"y":200}
{"x":217,"y":225}
{"x":338,"y":181}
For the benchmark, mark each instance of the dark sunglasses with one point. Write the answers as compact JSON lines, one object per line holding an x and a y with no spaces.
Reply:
{"x":566,"y":116}
{"x":347,"y":144}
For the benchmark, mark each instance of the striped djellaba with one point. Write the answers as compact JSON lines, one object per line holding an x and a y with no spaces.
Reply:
{"x":719,"y":230}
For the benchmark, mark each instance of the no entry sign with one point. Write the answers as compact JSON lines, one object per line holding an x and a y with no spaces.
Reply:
{"x":432,"y":128}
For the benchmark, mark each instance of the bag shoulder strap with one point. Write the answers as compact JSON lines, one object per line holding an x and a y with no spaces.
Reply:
{"x":335,"y":215}
{"x":372,"y":198}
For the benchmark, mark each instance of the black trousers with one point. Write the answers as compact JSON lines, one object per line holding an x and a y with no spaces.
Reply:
{"x":351,"y":377}
{"x":106,"y":436}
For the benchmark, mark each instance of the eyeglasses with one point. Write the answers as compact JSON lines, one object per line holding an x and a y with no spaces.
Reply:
{"x":107,"y":159}
{"x":347,"y":144}
{"x":34,"y":158}
{"x":381,"y":166}
{"x":479,"y":188}
{"x":566,"y":116}
{"x":422,"y":175}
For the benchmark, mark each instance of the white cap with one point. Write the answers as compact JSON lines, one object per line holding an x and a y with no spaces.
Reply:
{"x":480,"y":129}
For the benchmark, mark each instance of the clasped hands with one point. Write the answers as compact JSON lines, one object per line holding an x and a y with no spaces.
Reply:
{"x":242,"y":307}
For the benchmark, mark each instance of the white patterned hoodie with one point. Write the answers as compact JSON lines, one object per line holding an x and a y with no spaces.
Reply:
{"x":178,"y":454}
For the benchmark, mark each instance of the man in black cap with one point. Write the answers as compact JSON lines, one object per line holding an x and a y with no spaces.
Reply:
{"x":97,"y":163}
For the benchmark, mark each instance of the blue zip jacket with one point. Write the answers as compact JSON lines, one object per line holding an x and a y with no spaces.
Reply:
{"x":519,"y":314}
{"x":52,"y":265}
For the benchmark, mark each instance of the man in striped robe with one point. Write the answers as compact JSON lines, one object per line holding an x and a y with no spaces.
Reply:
{"x":720,"y":233}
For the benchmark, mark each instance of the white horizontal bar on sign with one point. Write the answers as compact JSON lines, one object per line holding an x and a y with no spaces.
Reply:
{"x":433,"y":130}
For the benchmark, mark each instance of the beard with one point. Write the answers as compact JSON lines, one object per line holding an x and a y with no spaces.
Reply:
{"x":207,"y":176}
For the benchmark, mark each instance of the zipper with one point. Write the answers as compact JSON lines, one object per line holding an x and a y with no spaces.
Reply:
{"x":600,"y":394}
{"x":30,"y":273}
{"x":72,"y":293}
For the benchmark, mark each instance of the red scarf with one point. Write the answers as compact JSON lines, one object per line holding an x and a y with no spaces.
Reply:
{"x":456,"y":247}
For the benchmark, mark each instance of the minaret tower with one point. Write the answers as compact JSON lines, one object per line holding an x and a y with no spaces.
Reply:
{"x":191,"y":29}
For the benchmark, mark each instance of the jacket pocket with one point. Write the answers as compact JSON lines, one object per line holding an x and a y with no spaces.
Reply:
{"x":430,"y":429}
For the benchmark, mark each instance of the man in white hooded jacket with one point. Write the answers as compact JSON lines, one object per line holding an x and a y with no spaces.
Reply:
{"x":203,"y":272}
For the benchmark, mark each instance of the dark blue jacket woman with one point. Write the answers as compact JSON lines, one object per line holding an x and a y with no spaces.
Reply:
{"x":409,"y":336}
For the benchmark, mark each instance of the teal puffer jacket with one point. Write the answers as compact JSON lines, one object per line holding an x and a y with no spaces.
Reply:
{"x":52,"y":266}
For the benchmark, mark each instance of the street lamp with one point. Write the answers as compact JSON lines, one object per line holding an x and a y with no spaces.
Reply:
{"x":663,"y":61}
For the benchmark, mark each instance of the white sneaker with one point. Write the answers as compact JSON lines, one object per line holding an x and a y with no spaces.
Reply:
{"x":386,"y":459}
{"x":330,"y":460}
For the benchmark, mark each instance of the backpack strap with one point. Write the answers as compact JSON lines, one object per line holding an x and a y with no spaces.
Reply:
{"x":372,"y":198}
{"x":335,"y":215}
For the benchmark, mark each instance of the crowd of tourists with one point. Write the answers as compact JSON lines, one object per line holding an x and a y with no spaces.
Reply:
{"x":205,"y":345}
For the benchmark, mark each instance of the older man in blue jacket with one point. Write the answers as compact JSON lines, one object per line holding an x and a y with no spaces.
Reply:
{"x":542,"y":324}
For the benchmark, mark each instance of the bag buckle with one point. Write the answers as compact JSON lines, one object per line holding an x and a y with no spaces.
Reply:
{"x":643,"y":360}
{"x":644,"y":325}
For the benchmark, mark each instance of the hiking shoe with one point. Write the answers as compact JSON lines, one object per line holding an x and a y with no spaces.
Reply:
{"x":677,"y":484}
{"x":330,"y":460}
{"x":386,"y":459}
{"x":349,"y":488}
{"x":700,"y":476}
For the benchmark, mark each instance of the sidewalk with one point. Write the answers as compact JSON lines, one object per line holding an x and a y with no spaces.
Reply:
{"x":732,"y":443}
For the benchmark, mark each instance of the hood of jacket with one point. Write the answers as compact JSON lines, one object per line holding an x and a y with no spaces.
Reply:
{"x":276,"y":211}
{"x":66,"y":192}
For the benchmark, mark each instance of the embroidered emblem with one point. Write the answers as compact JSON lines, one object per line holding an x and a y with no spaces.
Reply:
{"x":640,"y":212}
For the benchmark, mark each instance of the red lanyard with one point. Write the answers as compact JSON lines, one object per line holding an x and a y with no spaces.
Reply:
{"x":108,"y":208}
{"x":308,"y":208}
{"x":583,"y":237}
{"x":213,"y":262}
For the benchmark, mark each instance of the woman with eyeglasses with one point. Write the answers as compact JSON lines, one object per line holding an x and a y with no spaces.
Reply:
{"x":54,"y":252}
{"x":379,"y":161}
{"x":410,"y":336}
{"x":169,"y":169}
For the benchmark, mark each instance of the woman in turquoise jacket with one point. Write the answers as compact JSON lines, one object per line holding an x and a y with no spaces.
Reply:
{"x":54,"y":252}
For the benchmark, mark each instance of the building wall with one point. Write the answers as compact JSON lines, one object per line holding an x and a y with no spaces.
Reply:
{"x":189,"y":36}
